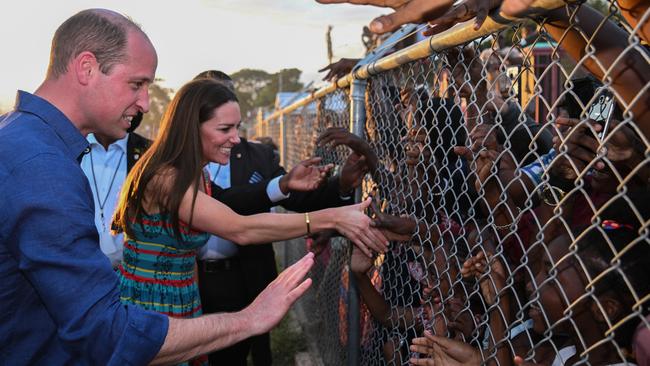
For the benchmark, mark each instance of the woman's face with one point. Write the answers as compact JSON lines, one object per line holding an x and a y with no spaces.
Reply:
{"x":220,"y":133}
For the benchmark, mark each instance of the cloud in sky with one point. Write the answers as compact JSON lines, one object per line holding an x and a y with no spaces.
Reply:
{"x":191,"y":36}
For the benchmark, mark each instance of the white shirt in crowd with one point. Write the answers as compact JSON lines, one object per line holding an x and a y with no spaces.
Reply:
{"x":106,"y":172}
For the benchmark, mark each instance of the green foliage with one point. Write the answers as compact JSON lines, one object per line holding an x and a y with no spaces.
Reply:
{"x":159,"y":98}
{"x":258,"y":88}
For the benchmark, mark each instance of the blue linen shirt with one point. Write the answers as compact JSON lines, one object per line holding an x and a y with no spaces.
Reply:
{"x":59,"y":300}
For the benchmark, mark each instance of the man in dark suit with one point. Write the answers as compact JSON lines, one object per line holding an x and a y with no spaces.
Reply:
{"x":230,"y":275}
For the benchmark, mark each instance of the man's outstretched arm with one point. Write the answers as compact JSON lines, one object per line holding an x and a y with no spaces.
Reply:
{"x":188,"y":338}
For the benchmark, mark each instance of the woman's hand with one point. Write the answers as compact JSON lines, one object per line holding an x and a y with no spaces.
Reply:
{"x":351,"y":222}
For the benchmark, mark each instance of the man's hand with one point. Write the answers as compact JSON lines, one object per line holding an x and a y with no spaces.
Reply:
{"x":306,"y":176}
{"x":339,"y":69}
{"x":352,"y":173}
{"x":272,"y":304}
{"x":406,"y":11}
{"x":335,"y":136}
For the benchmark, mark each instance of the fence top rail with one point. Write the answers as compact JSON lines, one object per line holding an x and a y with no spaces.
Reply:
{"x":459,"y":34}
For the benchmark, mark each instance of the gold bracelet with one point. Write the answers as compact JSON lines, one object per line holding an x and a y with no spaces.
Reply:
{"x":307,"y":222}
{"x":514,"y":221}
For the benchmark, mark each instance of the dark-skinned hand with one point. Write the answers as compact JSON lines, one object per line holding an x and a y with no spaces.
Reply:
{"x":394,"y":228}
{"x":406,"y":11}
{"x":335,"y":136}
{"x":461,"y":12}
{"x":339,"y":68}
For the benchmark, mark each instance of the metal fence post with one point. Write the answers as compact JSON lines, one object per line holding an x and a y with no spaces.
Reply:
{"x":357,"y":122}
{"x":283,"y":141}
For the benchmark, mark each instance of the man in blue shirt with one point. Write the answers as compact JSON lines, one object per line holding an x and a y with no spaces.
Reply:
{"x":59,"y":296}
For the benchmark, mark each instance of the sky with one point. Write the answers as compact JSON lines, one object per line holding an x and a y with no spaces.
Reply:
{"x":190,"y":36}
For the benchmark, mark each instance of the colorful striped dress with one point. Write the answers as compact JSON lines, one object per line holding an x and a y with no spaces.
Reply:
{"x":158,"y":272}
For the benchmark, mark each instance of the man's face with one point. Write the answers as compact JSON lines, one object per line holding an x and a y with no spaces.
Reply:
{"x":115,"y":98}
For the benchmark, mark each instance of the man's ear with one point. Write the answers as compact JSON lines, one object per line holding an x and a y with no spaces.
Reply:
{"x":85,"y":67}
{"x":612,"y":309}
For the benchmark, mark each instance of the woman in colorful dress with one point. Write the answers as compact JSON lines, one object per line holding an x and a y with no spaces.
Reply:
{"x":167,"y":212}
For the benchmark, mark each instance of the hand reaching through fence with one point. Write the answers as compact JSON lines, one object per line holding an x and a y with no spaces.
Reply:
{"x":406,"y":11}
{"x":621,"y":146}
{"x":610,"y":59}
{"x":319,"y":241}
{"x":394,"y":227}
{"x":335,"y":136}
{"x":461,"y":12}
{"x":388,"y":316}
{"x":491,"y":276}
{"x":352,"y":173}
{"x":339,"y":68}
{"x":444,"y":351}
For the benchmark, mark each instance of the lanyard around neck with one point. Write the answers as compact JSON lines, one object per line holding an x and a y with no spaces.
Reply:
{"x":216,"y":175}
{"x":108,"y":191}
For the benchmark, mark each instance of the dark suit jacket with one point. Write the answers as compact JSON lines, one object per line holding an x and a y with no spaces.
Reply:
{"x":136,"y":145}
{"x":258,"y":261}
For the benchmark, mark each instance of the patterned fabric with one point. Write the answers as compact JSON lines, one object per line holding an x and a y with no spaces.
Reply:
{"x":158,"y":272}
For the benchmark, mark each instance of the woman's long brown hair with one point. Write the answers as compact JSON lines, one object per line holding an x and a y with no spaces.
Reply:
{"x":176,"y":150}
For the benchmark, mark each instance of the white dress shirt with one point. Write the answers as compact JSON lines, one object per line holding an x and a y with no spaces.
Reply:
{"x":106,"y":172}
{"x":219,"y":248}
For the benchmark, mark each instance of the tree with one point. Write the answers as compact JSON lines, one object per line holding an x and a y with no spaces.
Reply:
{"x":258,"y":88}
{"x":159,"y":98}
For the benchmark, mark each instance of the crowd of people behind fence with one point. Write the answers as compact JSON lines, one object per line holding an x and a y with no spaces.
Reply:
{"x":531,"y":242}
{"x":516,"y":238}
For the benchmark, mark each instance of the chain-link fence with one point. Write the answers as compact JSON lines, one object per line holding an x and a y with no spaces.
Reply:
{"x":522,"y":152}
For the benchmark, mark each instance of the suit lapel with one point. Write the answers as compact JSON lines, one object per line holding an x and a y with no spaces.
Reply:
{"x":238,"y":165}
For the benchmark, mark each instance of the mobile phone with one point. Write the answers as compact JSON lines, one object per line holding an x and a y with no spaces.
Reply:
{"x":601,"y":111}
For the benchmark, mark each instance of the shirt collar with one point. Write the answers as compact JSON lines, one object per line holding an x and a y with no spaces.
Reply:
{"x":52,"y":116}
{"x":121,"y":143}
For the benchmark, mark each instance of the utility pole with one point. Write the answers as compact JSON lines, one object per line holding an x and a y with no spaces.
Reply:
{"x":328,"y":40}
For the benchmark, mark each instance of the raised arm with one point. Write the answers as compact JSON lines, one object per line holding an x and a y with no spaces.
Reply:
{"x":628,"y":68}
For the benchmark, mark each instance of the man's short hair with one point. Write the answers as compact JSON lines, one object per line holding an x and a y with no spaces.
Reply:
{"x":102,"y":32}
